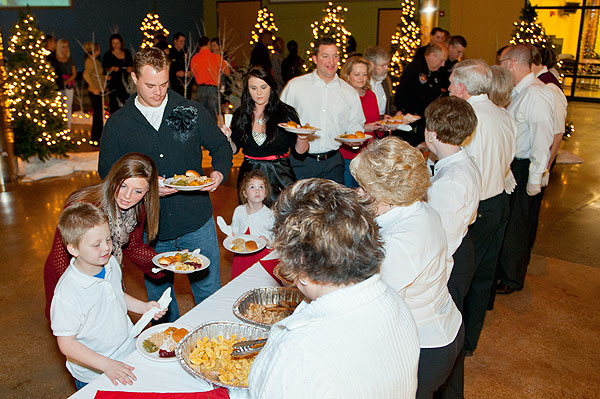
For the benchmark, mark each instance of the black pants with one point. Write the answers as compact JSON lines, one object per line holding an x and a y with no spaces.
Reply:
{"x":278,"y":172}
{"x":97,"y":116}
{"x":462,"y":271}
{"x":436,"y":365}
{"x":515,"y":252}
{"x":116,"y":93}
{"x":331,"y":168}
{"x":487,"y":233}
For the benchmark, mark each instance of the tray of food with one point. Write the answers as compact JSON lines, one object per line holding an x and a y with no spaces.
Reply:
{"x":181,"y":262}
{"x":294,"y":127}
{"x":357,"y":137}
{"x":266,"y":306}
{"x":158,"y":342}
{"x":205,"y":353}
{"x":244,"y":244}
{"x":191,"y":181}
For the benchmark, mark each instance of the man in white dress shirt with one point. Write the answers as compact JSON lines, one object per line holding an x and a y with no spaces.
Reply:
{"x":380,"y":82}
{"x":531,"y":107}
{"x":324,"y":100}
{"x":492,"y":148}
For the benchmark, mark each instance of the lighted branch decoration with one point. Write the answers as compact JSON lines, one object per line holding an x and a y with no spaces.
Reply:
{"x":151,"y":27}
{"x":265,"y":21}
{"x":331,"y":25}
{"x":404,"y":43}
{"x":527,"y":30}
{"x":38,"y":116}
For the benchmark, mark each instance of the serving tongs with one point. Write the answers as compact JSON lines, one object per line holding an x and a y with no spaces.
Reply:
{"x":247,"y":348}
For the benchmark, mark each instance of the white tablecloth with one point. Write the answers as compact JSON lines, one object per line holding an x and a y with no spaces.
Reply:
{"x":170,"y":377}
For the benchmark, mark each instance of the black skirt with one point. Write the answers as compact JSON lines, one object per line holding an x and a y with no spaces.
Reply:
{"x":279,"y":173}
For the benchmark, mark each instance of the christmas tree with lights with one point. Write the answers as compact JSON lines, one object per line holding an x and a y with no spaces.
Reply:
{"x":265,"y":21}
{"x":527,"y":30}
{"x":37,"y":114}
{"x":151,"y":27}
{"x":404,"y":43}
{"x":331,"y":25}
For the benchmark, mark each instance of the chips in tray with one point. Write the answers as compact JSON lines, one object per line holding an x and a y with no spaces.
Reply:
{"x":213,"y":356}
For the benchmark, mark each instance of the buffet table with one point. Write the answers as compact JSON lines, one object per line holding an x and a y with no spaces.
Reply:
{"x":170,"y":377}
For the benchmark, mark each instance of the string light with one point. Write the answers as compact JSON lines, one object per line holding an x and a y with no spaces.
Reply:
{"x":151,"y":27}
{"x":265,"y":22}
{"x":331,"y":25}
{"x":36,"y":110}
{"x":528,"y":30}
{"x":404,"y":42}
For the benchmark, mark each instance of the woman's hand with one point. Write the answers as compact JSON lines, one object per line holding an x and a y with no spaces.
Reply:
{"x":226,"y":131}
{"x":371,"y":127}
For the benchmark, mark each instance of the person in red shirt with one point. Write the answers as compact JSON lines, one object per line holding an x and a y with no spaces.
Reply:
{"x":208,"y":69}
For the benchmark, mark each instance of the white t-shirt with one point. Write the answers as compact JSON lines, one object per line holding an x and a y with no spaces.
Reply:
{"x":333,"y":107}
{"x":153,"y":115}
{"x":260,"y":223}
{"x":454,"y":194}
{"x":93,"y":310}
{"x":377,"y":88}
{"x":415,"y":266}
{"x":355,"y":342}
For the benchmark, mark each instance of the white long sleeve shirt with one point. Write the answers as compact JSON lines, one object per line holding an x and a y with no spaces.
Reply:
{"x":493,"y":145}
{"x":415,"y":266}
{"x":333,"y":107}
{"x":260,"y":223}
{"x":454,"y":194}
{"x":560,"y":104}
{"x":356,"y":342}
{"x":377,"y":88}
{"x":531,"y":107}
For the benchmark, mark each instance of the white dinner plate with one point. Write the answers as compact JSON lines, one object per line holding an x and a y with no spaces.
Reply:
{"x":261,"y":242}
{"x":298,"y":130}
{"x":152,"y":330}
{"x":170,"y":180}
{"x":357,"y":140}
{"x":205,"y":262}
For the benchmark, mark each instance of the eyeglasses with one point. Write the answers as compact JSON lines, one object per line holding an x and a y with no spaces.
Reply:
{"x":384,"y":65}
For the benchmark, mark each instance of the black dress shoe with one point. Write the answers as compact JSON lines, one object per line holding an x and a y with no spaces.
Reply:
{"x":468,"y":353}
{"x":504,"y":289}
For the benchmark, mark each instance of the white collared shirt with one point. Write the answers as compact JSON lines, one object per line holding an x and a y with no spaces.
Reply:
{"x":260,"y":223}
{"x":323,"y":349}
{"x":492,"y":147}
{"x":560,"y":104}
{"x":415,"y":266}
{"x":94,"y":311}
{"x":333,"y":107}
{"x":153,"y":115}
{"x":377,"y":88}
{"x":454,"y":194}
{"x":531,"y":106}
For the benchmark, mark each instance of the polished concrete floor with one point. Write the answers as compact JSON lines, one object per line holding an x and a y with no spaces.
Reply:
{"x":542,"y":342}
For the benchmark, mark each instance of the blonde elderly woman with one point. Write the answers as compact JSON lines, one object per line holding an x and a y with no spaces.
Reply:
{"x":394,"y":174}
{"x":356,"y":338}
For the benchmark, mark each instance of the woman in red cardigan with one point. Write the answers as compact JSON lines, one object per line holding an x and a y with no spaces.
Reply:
{"x":132,"y":178}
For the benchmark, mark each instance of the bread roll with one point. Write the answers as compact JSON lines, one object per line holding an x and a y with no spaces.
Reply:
{"x":165,"y":260}
{"x":251,"y":246}
{"x":191,"y":173}
{"x":179,"y":334}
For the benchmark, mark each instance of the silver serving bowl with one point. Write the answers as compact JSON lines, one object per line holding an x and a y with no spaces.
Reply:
{"x":264,"y":296}
{"x":214,"y":329}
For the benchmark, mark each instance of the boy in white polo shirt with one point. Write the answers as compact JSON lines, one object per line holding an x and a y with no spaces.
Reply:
{"x":89,"y":309}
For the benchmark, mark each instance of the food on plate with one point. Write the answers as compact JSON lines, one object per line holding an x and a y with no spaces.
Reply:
{"x":164,"y":341}
{"x":359,"y":134}
{"x":181,"y":261}
{"x":356,"y":135}
{"x":213,"y":357}
{"x":270,"y":313}
{"x":391,"y":122}
{"x":292,"y":124}
{"x":191,"y":178}
{"x":307,"y":126}
{"x":251,"y":245}
{"x":238,"y":245}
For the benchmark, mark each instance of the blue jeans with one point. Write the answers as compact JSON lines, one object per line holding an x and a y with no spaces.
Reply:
{"x":79,"y":384}
{"x":208,"y":96}
{"x":204,"y":283}
{"x":348,"y":178}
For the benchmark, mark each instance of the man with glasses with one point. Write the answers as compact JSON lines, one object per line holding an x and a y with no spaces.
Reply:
{"x":380,"y":83}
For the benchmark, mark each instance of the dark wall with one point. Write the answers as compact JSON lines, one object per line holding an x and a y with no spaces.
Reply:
{"x":103,"y":16}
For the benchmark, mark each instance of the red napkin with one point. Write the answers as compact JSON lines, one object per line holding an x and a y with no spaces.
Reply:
{"x":219,"y":393}
{"x":269,"y":266}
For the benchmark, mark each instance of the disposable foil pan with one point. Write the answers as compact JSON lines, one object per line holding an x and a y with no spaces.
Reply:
{"x":214,"y":329}
{"x":264,"y":296}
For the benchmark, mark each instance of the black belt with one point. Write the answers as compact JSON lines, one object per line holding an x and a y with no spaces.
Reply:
{"x":323,"y":156}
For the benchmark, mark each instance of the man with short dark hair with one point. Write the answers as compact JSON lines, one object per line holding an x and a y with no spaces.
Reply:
{"x":437,"y":36}
{"x":456,"y":51}
{"x":207,"y":68}
{"x":172,"y":131}
{"x":178,"y":76}
{"x":324,"y":100}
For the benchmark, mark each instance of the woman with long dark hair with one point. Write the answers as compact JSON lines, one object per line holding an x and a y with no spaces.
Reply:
{"x":254,"y":130}
{"x":129,"y":197}
{"x":118,"y":63}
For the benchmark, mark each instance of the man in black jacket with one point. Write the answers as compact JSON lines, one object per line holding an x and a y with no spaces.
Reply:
{"x":172,"y":131}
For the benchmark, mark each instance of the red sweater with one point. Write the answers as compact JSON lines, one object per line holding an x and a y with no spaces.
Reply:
{"x":371,"y":111}
{"x":59,"y":258}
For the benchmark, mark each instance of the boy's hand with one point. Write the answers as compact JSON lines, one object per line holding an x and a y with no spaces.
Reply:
{"x":159,"y":312}
{"x":119,"y":371}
